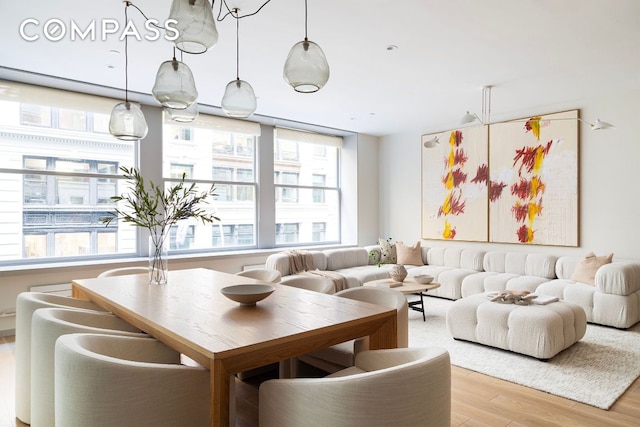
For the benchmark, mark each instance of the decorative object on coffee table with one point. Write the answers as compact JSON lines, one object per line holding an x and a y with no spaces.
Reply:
{"x":398,"y":273}
{"x":157,"y":210}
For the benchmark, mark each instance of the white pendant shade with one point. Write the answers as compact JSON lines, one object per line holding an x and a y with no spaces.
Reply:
{"x":127,"y":122}
{"x":195,"y":24}
{"x":599,"y":125}
{"x":175,"y":87}
{"x":239,"y":100}
{"x":306,"y":69}
{"x":468,"y":118}
{"x":187,"y":115}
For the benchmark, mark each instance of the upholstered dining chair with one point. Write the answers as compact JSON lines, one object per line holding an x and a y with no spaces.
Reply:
{"x":26,"y":304}
{"x":311,"y":283}
{"x":395,"y":387}
{"x":340,"y":356}
{"x":264,"y":274}
{"x":124,"y":271}
{"x":47,"y":325}
{"x":106,"y":381}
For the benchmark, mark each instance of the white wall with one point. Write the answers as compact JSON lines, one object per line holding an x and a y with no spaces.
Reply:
{"x":609,"y":169}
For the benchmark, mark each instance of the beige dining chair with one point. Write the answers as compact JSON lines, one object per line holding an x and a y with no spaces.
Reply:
{"x":26,"y":304}
{"x":264,"y":274}
{"x":47,"y":325}
{"x":342,"y":355}
{"x":106,"y":381}
{"x":312,"y":283}
{"x":396,"y":387}
{"x":124,"y":271}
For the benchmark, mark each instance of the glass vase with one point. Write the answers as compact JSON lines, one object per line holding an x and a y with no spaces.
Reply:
{"x":158,"y":260}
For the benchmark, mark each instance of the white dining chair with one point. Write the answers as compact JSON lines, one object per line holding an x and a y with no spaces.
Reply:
{"x":342,"y":355}
{"x":26,"y":304}
{"x":264,"y":274}
{"x":312,"y":283}
{"x":107,"y":381}
{"x":47,"y":325}
{"x":397,"y":387}
{"x":124,"y":271}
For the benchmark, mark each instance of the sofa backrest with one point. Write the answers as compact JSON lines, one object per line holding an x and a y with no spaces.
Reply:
{"x":346,"y":258}
{"x":470,"y":259}
{"x":280,"y":262}
{"x":520,"y":263}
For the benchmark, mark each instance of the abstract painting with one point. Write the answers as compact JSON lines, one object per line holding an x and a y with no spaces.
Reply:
{"x":533,"y":187}
{"x":454,"y":185}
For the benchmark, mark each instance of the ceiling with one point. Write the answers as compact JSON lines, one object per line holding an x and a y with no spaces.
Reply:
{"x":536,"y":54}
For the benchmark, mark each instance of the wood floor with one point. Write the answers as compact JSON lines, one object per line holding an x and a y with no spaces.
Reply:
{"x":477,"y":400}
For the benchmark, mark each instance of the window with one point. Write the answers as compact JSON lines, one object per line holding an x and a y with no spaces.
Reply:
{"x":177,"y":170}
{"x":307,"y":191}
{"x":58,"y":176}
{"x":220,"y":151}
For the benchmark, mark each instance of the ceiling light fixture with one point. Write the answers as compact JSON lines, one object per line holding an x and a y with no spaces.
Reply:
{"x":306,"y":69}
{"x":174,"y":86}
{"x":486,"y":110}
{"x":239,"y":99}
{"x":187,"y":115}
{"x":431,"y":142}
{"x":127,"y":121}
{"x":195,"y":25}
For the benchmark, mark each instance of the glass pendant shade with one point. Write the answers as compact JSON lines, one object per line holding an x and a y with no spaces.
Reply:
{"x":175,"y":87}
{"x":306,"y":68}
{"x":127,"y":122}
{"x":195,"y":25}
{"x":239,"y":100}
{"x":187,"y":115}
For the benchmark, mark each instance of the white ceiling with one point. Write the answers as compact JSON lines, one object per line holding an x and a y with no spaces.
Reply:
{"x":537,"y":54}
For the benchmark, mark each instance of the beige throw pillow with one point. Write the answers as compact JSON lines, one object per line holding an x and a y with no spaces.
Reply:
{"x":409,"y":255}
{"x":585,"y":270}
{"x":387,"y":251}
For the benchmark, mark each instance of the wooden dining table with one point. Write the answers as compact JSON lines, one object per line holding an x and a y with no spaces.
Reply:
{"x":192,"y":316}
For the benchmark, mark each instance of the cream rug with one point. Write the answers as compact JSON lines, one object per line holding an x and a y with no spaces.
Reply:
{"x":596,"y":370}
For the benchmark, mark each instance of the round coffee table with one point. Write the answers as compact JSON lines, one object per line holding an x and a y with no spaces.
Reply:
{"x":408,"y":286}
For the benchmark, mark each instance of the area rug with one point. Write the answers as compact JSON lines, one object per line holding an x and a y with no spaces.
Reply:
{"x":596,"y":370}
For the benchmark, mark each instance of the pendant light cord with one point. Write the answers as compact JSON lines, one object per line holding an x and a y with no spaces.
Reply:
{"x":221,"y":18}
{"x":126,"y":56}
{"x":305,"y":20}
{"x":237,"y":44}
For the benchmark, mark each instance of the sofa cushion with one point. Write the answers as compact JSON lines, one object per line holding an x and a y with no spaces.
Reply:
{"x":409,"y":255}
{"x":586,"y":268}
{"x":387,"y":251}
{"x":345,"y":258}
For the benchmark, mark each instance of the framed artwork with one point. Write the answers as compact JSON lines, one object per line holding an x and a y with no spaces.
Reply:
{"x":454,"y":185}
{"x":533,"y":187}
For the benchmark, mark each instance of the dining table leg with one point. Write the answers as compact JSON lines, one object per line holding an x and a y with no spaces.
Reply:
{"x":386,"y":336}
{"x":220,"y":394}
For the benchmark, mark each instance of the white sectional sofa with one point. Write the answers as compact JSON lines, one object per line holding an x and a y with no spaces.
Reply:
{"x":613,"y":301}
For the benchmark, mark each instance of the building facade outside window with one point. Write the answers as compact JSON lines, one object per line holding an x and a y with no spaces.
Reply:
{"x":307,"y":188}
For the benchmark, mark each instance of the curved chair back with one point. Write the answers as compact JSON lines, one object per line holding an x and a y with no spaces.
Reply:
{"x":26,"y":304}
{"x":264,"y":274}
{"x":124,"y":271}
{"x":106,"y":381}
{"x":388,"y":298}
{"x":317,"y":284}
{"x":402,"y":387}
{"x":48,"y":325}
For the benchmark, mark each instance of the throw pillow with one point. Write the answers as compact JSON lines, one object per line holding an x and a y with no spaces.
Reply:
{"x":388,"y":251}
{"x":585,"y":271}
{"x":409,"y":255}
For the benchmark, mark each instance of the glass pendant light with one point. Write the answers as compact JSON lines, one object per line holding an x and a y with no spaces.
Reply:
{"x":195,"y":24}
{"x":239,"y":100}
{"x":127,"y":121}
{"x":306,"y":69}
{"x":187,"y":115}
{"x":175,"y":87}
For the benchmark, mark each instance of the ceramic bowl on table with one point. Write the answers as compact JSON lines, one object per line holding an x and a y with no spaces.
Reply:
{"x":423,"y":279}
{"x":248,"y":294}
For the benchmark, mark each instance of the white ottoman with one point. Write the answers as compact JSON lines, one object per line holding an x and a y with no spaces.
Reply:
{"x":541,"y":331}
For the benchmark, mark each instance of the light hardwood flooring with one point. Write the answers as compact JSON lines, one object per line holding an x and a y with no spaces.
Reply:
{"x":477,"y":400}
